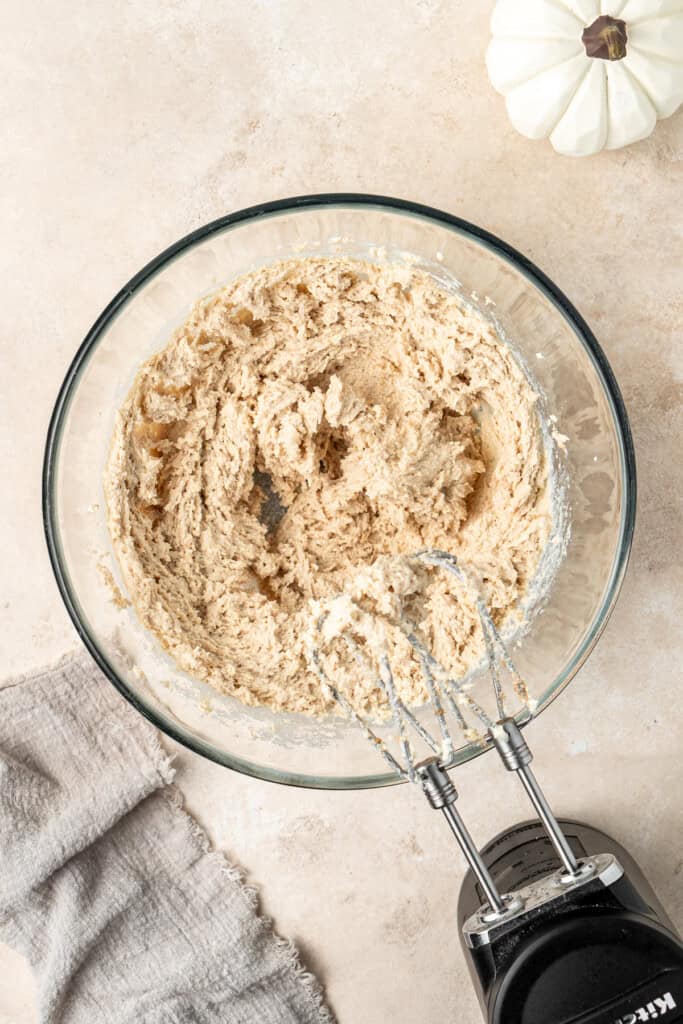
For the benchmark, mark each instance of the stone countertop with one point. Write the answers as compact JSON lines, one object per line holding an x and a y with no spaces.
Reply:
{"x":127,"y":126}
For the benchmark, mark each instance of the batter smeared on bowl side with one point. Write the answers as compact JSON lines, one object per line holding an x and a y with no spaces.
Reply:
{"x":308,"y":420}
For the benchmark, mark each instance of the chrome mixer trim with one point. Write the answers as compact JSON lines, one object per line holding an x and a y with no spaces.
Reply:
{"x":598,"y":872}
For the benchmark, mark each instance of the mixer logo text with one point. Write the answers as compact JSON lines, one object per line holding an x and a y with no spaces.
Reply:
{"x":651,"y":1011}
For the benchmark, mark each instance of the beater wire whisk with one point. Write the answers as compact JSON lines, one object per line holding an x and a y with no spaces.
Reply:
{"x":447,"y":695}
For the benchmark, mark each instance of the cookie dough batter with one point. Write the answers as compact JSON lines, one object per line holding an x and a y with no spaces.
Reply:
{"x":307,"y":423}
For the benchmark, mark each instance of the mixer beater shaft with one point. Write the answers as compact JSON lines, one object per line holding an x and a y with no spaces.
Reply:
{"x":442,"y":795}
{"x":516,"y":757}
{"x":514,"y":752}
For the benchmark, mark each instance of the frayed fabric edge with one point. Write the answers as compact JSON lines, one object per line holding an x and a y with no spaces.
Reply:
{"x":290,"y":956}
{"x":163,"y":762}
{"x":310,"y":983}
{"x":77,"y":654}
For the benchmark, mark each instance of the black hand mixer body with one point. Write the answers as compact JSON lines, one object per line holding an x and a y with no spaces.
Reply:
{"x":601,"y":950}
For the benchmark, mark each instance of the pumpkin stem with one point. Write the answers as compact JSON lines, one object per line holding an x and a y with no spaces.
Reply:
{"x":606,"y":38}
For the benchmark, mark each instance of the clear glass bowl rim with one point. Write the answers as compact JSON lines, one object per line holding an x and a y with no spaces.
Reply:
{"x":275,"y":208}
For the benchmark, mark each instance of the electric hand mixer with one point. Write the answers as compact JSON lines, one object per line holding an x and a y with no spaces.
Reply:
{"x":558,"y":924}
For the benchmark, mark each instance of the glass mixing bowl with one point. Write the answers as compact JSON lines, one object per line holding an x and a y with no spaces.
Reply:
{"x":557,"y":346}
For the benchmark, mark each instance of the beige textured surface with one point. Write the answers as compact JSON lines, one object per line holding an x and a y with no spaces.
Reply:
{"x":127,"y":126}
{"x":381,"y":416}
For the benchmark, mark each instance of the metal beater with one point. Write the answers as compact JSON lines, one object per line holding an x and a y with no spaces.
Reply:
{"x":580,"y":942}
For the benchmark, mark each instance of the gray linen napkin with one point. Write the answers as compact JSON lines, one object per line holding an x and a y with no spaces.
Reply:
{"x":109,"y":887}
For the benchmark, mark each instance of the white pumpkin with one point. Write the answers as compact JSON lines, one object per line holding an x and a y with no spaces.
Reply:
{"x":588,"y":74}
